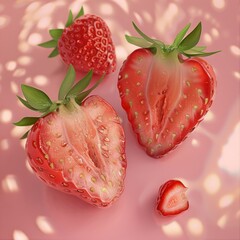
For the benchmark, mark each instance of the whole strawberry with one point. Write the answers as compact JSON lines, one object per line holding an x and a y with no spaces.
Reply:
{"x":85,"y":42}
{"x":166,"y":96}
{"x":77,"y":145}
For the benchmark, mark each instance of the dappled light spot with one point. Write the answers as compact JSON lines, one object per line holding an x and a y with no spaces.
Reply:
{"x":9,"y":184}
{"x":236,"y":74}
{"x":195,"y":143}
{"x":18,"y":131}
{"x":207,"y":38}
{"x":24,"y":60}
{"x":221,"y":222}
{"x":19,"y":72}
{"x":23,"y":47}
{"x":34,"y":39}
{"x":215,"y":32}
{"x":28,"y":80}
{"x":4,"y":20}
{"x":218,"y":4}
{"x":40,"y":80}
{"x":11,"y":65}
{"x":32,"y":7}
{"x":4,"y":144}
{"x":121,"y":52}
{"x":44,"y":22}
{"x":172,"y":229}
{"x":226,"y":200}
{"x":106,"y":9}
{"x":74,"y":6}
{"x":123,"y":4}
{"x":235,"y":50}
{"x":212,"y":183}
{"x":5,"y":115}
{"x":14,"y":87}
{"x":165,"y":20}
{"x":147,"y":16}
{"x":44,"y":225}
{"x":195,"y":226}
{"x":138,"y":17}
{"x":209,"y":117}
{"x":229,"y":159}
{"x":19,"y":235}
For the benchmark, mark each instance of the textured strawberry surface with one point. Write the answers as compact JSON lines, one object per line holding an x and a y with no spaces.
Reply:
{"x":87,"y":44}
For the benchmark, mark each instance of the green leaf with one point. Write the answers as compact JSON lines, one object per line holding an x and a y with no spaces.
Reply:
{"x":49,"y":44}
{"x":25,"y":135}
{"x":144,"y":36}
{"x":26,"y":121}
{"x":56,"y":33}
{"x":81,"y":85}
{"x":79,"y":98}
{"x":26,"y":104}
{"x":67,"y":83}
{"x":36,"y":98}
{"x":80,"y":13}
{"x":54,"y":53}
{"x":199,"y":48}
{"x":140,"y":42}
{"x":70,"y":19}
{"x":191,"y":39}
{"x":181,"y":35}
{"x":199,"y":54}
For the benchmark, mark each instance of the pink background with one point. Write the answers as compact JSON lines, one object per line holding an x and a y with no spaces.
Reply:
{"x":207,"y":162}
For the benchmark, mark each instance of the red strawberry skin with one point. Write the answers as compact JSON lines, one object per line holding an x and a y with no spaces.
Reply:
{"x":171,"y":198}
{"x":87,"y":44}
{"x":81,"y":152}
{"x":164,"y":98}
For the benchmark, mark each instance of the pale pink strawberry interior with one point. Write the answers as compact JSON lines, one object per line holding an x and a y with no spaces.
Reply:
{"x":87,"y":146}
{"x":175,"y":199}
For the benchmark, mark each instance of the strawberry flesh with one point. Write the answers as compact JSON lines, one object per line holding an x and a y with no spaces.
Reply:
{"x":164,"y":98}
{"x":172,"y":198}
{"x":81,"y":151}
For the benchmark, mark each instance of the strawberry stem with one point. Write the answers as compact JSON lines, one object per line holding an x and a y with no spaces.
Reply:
{"x":185,"y":45}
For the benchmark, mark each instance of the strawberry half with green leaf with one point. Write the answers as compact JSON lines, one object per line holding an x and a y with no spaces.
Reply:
{"x":172,"y":198}
{"x":85,"y":42}
{"x":164,"y":94}
{"x":77,"y":145}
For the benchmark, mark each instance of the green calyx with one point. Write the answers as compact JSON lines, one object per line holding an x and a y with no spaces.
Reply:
{"x":39,"y":101}
{"x":185,"y":45}
{"x":57,"y":33}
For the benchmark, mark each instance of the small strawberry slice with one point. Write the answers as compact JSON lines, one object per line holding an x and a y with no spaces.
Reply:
{"x":85,"y":42}
{"x":78,"y":144}
{"x":172,"y":198}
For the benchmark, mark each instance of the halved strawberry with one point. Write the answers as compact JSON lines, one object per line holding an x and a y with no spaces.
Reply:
{"x":172,"y":199}
{"x":85,"y":42}
{"x":164,"y":95}
{"x":77,"y":146}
